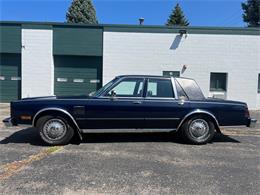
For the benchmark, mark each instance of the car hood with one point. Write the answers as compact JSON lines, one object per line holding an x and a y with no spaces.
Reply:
{"x":56,"y":97}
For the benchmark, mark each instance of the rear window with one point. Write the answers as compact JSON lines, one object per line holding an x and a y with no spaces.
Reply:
{"x":160,"y":88}
{"x":191,"y":88}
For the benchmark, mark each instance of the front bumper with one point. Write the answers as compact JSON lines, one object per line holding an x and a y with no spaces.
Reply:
{"x":251,"y":122}
{"x":9,"y":122}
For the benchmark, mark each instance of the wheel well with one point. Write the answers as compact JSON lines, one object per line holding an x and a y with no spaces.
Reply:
{"x":55,"y":113}
{"x":204,"y":115}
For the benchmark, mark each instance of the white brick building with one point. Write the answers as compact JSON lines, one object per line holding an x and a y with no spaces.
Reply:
{"x":61,"y":59}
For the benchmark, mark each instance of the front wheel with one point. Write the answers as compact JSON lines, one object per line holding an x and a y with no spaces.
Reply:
{"x":54,"y":130}
{"x":198,"y":130}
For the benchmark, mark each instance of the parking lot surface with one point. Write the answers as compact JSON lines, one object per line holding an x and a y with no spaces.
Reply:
{"x":150,"y":163}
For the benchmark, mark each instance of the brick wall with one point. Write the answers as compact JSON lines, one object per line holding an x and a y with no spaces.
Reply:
{"x":152,"y":53}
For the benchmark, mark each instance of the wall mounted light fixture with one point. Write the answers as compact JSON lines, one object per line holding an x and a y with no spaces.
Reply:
{"x":183,"y":32}
{"x":141,"y":21}
{"x":184,"y":67}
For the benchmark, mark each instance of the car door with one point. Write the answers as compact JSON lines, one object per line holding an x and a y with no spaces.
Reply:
{"x":163,"y":108}
{"x":119,"y":107}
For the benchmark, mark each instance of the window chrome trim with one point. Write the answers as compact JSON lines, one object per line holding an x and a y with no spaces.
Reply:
{"x":159,"y":98}
{"x":136,"y":98}
{"x":60,"y":110}
{"x":198,"y":111}
{"x":174,"y":88}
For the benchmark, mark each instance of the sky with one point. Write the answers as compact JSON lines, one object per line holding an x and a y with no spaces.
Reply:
{"x":226,"y":13}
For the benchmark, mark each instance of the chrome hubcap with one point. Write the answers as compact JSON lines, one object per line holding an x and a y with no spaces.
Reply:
{"x":54,"y":129}
{"x":199,"y":128}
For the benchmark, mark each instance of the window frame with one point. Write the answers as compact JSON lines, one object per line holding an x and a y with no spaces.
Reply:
{"x":258,"y":86}
{"x":218,"y":90}
{"x":173,"y":87}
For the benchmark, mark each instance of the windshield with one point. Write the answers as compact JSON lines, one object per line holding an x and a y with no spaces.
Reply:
{"x":104,"y":88}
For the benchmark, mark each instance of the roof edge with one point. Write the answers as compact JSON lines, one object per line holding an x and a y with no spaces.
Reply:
{"x":146,"y":28}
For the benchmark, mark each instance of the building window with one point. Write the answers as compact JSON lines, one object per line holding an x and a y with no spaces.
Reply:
{"x":78,"y":80}
{"x":218,"y":81}
{"x":15,"y":78}
{"x":62,"y":80}
{"x":259,"y":83}
{"x":171,"y":73}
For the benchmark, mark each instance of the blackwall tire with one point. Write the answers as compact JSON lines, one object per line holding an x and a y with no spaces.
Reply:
{"x":198,"y":130}
{"x":54,"y":130}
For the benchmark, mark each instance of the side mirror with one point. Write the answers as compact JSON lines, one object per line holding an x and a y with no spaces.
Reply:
{"x":113,"y":94}
{"x":91,"y":94}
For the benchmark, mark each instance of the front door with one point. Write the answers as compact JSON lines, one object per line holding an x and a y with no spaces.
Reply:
{"x":120,"y":107}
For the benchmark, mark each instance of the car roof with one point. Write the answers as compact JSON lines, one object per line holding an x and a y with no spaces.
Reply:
{"x":150,"y":76}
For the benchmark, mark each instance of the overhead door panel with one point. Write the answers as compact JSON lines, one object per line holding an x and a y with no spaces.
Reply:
{"x":10,"y":36}
{"x":79,"y":41}
{"x":77,"y":75}
{"x":10,"y":77}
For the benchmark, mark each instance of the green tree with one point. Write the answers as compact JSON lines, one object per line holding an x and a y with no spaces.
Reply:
{"x":81,"y":11}
{"x":177,"y":17}
{"x":251,"y":13}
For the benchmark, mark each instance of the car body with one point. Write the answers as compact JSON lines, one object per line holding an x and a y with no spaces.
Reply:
{"x":131,"y":103}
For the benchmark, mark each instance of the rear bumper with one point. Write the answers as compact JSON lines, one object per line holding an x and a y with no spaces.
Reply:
{"x":9,"y":122}
{"x":251,"y":122}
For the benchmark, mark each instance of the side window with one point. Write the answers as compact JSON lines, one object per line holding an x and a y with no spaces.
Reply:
{"x":161,"y":88}
{"x":130,"y":87}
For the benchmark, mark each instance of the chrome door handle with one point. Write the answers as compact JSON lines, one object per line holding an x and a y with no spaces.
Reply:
{"x":137,"y":102}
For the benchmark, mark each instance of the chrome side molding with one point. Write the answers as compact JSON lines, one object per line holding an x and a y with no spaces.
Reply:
{"x":127,"y":130}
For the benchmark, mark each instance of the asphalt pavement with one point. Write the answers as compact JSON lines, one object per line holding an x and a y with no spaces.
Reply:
{"x":143,"y":163}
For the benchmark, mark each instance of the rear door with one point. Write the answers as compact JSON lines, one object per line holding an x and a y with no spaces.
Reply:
{"x":162,"y":108}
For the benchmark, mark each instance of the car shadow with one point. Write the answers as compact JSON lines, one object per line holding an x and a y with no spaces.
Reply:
{"x":220,"y":137}
{"x":30,"y":136}
{"x":26,"y":136}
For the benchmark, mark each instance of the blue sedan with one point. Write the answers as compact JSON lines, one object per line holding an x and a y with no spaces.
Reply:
{"x":131,"y":103}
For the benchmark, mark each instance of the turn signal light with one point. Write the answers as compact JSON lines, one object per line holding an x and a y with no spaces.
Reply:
{"x":25,"y":117}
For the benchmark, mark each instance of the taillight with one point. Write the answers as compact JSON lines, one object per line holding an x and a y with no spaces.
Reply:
{"x":247,"y":114}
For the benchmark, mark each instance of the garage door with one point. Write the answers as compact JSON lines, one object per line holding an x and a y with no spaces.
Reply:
{"x":10,"y":77}
{"x":77,"y":75}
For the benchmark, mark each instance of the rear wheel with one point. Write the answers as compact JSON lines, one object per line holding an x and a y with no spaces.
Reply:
{"x":54,"y":130}
{"x":198,"y":130}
